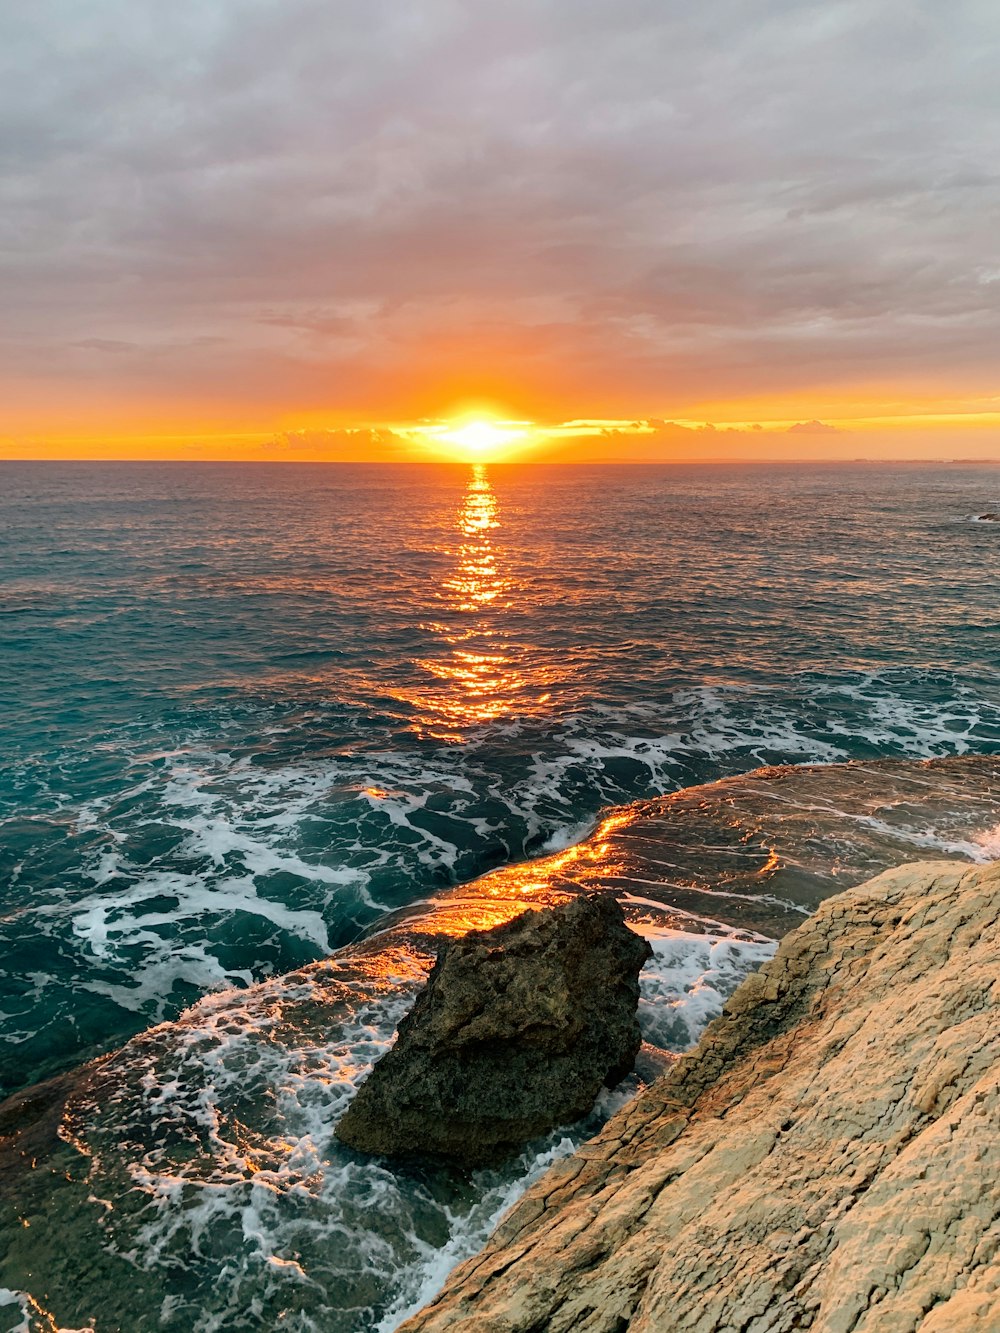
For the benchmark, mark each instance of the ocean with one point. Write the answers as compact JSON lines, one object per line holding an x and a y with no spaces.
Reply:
{"x":255,"y":714}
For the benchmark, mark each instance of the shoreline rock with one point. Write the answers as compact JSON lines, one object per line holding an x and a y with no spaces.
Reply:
{"x":514,"y":1034}
{"x":826,"y":1158}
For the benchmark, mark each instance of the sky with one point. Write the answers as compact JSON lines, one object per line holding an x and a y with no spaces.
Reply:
{"x":650,"y":229}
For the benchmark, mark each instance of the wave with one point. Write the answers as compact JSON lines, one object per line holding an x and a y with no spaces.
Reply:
{"x":193,"y":866}
{"x":205,"y":1189}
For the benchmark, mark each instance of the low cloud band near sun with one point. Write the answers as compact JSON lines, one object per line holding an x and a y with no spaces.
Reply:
{"x":625,"y":230}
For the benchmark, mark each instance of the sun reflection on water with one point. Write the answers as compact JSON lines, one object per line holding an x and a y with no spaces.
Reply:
{"x":479,"y":678}
{"x":509,"y":890}
{"x":477,"y":581}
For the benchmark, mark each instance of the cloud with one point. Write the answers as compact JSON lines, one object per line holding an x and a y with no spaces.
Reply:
{"x":332,"y":446}
{"x":586,"y":206}
{"x":814,"y":428}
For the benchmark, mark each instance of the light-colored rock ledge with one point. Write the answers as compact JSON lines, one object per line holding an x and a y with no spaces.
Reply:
{"x":828,"y":1157}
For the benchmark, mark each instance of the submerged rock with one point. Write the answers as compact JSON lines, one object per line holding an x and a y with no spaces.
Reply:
{"x":515,"y":1032}
{"x":828,"y":1157}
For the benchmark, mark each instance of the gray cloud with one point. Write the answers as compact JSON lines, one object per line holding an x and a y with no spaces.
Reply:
{"x":633,"y":205}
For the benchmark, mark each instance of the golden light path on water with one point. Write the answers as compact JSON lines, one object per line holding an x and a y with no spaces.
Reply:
{"x":479,"y":679}
{"x":749,"y":855}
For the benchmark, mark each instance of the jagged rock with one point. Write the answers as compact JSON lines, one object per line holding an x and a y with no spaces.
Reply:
{"x":515,"y":1032}
{"x":828,"y":1157}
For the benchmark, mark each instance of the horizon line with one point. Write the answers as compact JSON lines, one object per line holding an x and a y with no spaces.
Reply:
{"x":520,"y":462}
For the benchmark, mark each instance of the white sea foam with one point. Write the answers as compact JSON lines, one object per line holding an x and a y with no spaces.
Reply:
{"x":147,"y":921}
{"x":220,"y":862}
{"x":988,"y":843}
{"x":262,"y":1093}
{"x":568,"y":836}
{"x":23,"y":1303}
{"x":280,"y":1189}
{"x":974,"y":849}
{"x":467,"y":1234}
{"x":685,"y":984}
{"x":97,"y":920}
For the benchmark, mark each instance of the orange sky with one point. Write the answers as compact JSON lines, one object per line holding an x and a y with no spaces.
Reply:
{"x":302,"y":230}
{"x":489,"y":434}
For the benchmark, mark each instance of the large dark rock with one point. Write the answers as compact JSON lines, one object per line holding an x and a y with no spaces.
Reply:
{"x":515,"y":1032}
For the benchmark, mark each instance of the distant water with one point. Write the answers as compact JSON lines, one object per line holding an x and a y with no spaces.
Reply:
{"x":246,"y":709}
{"x":251,"y":714}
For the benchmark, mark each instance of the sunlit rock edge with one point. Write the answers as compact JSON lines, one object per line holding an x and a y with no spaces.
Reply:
{"x":826,"y":1157}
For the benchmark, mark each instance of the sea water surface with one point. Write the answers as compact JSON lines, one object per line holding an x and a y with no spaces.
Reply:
{"x":251,"y":710}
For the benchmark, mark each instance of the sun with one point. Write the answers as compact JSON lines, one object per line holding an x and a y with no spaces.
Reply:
{"x":477,"y":438}
{"x":481,"y":437}
{"x":473,"y":435}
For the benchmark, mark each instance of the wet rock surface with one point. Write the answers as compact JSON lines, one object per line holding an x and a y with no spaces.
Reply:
{"x":514,"y":1034}
{"x":258,"y":1077}
{"x":826,"y":1158}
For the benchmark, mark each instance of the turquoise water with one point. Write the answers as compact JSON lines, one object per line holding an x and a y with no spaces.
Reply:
{"x":248,"y":708}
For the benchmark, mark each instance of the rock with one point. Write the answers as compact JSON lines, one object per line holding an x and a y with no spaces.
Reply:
{"x":828,"y":1157}
{"x":515,"y":1032}
{"x":988,"y":518}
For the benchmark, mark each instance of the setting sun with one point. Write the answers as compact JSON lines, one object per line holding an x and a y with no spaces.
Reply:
{"x":481,"y":437}
{"x":475,"y":439}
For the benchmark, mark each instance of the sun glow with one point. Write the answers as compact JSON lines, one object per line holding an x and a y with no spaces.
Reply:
{"x":481,"y":437}
{"x":476,"y":439}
